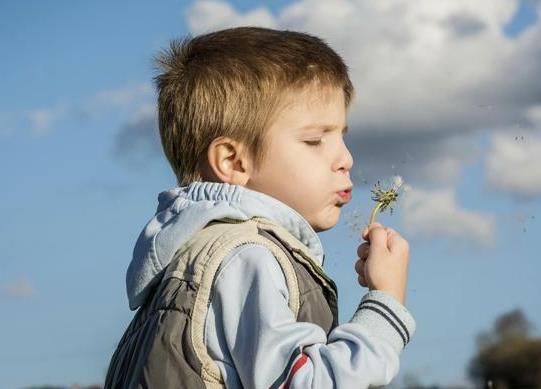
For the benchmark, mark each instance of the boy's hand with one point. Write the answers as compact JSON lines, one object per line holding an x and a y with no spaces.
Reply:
{"x":383,"y":261}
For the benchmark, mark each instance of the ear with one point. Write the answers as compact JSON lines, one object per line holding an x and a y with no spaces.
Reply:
{"x":227,"y":162}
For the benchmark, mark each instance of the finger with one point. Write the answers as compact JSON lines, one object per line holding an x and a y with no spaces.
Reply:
{"x":395,"y":240}
{"x":397,"y":243}
{"x":363,"y":249}
{"x":359,"y":266}
{"x":391,"y":237}
{"x":361,"y":276}
{"x":366,"y":231}
{"x":378,"y":238}
{"x":362,"y":281}
{"x":390,"y":231}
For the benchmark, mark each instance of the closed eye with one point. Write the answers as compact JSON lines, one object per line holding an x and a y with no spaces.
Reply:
{"x":317,"y":142}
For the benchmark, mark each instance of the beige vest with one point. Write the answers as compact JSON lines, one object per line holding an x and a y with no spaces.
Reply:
{"x":163,"y":347}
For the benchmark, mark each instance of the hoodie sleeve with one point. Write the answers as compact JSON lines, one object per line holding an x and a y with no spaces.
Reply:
{"x":251,"y":330}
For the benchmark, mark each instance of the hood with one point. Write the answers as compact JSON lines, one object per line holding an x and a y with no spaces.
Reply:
{"x":183,"y":211}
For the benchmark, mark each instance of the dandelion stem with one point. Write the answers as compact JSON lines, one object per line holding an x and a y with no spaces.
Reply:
{"x":374,"y":211}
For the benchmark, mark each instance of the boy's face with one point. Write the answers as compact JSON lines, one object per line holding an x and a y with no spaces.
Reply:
{"x":306,"y":166}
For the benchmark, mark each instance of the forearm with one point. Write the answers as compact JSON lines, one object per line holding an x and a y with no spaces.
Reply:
{"x":268,"y":346}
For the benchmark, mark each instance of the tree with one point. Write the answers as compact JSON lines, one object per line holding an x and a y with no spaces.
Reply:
{"x":507,"y":356}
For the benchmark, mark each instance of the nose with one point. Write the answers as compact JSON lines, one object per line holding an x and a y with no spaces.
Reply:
{"x":344,"y":160}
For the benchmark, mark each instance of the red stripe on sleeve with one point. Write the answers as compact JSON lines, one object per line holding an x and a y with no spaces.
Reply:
{"x":302,"y":360}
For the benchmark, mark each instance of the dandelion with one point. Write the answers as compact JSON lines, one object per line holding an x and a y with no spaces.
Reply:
{"x":385,"y":197}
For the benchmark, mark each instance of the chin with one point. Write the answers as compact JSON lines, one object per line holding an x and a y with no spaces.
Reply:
{"x":320,"y":227}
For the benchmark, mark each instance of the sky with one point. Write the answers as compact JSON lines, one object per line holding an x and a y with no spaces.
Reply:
{"x":447,"y":96}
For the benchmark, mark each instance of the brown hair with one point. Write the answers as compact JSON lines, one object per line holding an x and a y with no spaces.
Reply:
{"x":232,"y":83}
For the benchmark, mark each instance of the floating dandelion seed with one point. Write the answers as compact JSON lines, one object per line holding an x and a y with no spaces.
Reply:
{"x":385,"y":197}
{"x":353,"y":221}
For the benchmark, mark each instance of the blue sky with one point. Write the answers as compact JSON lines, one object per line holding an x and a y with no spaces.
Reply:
{"x":77,"y":188}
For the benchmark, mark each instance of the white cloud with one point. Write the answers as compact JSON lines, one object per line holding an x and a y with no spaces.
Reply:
{"x":139,"y":139}
{"x":216,"y":15}
{"x":436,"y":214}
{"x":123,"y":96}
{"x":131,"y":99}
{"x":513,"y":163}
{"x":534,"y":115}
{"x":21,"y":289}
{"x":428,"y":75}
{"x":412,"y":70}
{"x":128,"y":98}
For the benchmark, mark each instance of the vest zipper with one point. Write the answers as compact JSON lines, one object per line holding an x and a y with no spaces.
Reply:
{"x":319,"y":271}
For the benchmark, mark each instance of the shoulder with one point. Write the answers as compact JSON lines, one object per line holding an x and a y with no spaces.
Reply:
{"x":250,"y":264}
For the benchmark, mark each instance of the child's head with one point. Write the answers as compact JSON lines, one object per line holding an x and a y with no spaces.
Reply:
{"x":232,"y":105}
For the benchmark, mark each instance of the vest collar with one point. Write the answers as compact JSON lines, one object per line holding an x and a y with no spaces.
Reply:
{"x":253,"y":203}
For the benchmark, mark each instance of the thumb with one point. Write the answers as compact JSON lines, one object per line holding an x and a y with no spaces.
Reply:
{"x":366,"y":231}
{"x":378,"y":238}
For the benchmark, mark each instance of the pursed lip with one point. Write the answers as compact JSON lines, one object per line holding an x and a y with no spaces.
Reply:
{"x":345,"y":194}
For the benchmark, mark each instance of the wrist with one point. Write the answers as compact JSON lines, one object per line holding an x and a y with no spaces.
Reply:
{"x":396,"y":294}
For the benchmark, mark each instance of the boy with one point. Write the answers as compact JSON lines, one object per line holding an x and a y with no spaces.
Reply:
{"x":228,"y":274}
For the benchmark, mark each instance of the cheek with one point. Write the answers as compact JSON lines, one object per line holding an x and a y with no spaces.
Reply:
{"x":288,"y":161}
{"x":294,"y":172}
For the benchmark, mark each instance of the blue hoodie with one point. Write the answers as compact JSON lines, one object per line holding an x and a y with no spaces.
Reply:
{"x":274,"y":350}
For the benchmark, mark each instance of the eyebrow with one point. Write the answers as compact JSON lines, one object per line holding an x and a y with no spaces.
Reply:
{"x":324,"y":127}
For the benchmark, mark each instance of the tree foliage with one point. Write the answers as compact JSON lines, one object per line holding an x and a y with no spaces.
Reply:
{"x":507,"y":355}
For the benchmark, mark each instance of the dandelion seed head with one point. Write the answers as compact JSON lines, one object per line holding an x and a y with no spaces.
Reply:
{"x":385,"y":196}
